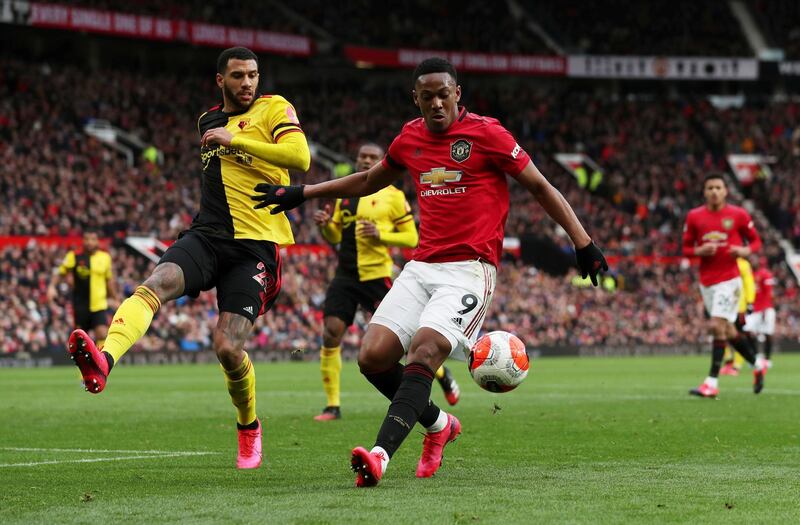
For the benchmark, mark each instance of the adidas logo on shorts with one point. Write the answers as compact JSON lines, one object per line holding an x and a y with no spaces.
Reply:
{"x":248,"y":309}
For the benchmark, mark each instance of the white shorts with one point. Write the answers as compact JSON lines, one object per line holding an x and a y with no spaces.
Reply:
{"x":722,"y":299}
{"x":762,"y":322}
{"x":451,"y":298}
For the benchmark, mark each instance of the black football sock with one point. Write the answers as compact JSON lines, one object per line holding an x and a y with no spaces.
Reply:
{"x":768,"y":346}
{"x":387,"y":383}
{"x":249,"y":426}
{"x":408,"y":404}
{"x":110,"y":359}
{"x":717,"y":353}
{"x":744,"y":347}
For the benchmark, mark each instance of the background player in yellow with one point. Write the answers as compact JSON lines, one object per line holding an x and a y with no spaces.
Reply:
{"x":733,"y":360}
{"x":363,"y":228}
{"x":246,"y":140}
{"x":88,"y":272}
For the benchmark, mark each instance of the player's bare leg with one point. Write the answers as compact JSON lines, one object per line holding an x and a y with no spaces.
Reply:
{"x":230,"y":335}
{"x":330,"y":364}
{"x":130,"y":323}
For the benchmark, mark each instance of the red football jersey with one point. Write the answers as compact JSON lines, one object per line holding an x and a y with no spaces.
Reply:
{"x":725,"y":228}
{"x":460,"y":176}
{"x":764,"y":283}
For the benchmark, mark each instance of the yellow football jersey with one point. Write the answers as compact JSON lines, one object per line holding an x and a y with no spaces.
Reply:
{"x":748,"y":295}
{"x":90,"y":277}
{"x":230,"y":174}
{"x":365,"y":258}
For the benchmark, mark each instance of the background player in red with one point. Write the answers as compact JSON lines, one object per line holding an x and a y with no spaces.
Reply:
{"x":458,"y":161}
{"x":716,"y":232}
{"x":762,"y":321}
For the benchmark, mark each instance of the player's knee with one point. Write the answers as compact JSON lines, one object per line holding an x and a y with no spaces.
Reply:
{"x":427,"y":353}
{"x":229,"y":351}
{"x":166,"y":281}
{"x":332,"y":332}
{"x":374,"y":357}
{"x":369,"y":360}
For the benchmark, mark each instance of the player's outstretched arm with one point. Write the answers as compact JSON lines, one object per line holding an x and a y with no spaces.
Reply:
{"x":290,"y":152}
{"x":590,"y":258}
{"x":358,"y":184}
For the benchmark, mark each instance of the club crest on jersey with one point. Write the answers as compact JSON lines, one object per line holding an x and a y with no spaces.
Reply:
{"x":460,"y":150}
{"x":727,"y":223}
{"x":438,"y":177}
{"x":244,"y":123}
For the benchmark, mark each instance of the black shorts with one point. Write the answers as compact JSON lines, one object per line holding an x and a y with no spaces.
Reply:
{"x":246,"y":272}
{"x":344,"y":295}
{"x":86,"y":320}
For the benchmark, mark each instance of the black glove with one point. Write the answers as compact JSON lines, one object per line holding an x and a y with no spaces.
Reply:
{"x":286,"y":197}
{"x":590,"y":261}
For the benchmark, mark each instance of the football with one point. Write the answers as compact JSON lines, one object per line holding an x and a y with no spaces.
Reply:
{"x":498,"y":362}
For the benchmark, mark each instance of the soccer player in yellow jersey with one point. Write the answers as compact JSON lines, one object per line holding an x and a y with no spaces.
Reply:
{"x":88,"y":270}
{"x":363,"y":228}
{"x":733,"y":360}
{"x":245,"y":140}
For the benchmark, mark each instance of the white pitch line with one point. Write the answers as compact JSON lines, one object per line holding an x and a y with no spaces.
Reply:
{"x":102,"y":451}
{"x":96,"y":460}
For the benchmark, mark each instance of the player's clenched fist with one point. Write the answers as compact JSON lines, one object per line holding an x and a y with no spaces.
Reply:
{"x":591,"y":261}
{"x":286,"y":197}
{"x":219,"y":136}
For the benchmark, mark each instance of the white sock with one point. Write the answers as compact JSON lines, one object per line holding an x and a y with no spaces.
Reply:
{"x":440,"y":424}
{"x":711,"y":381}
{"x":383,"y":455}
{"x":761,"y":361}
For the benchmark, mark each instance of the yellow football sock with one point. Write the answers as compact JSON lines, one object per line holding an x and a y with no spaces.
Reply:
{"x":738,"y":360}
{"x":728,"y":356}
{"x":241,"y":384}
{"x":131,"y":321}
{"x":440,"y":372}
{"x":330,"y":364}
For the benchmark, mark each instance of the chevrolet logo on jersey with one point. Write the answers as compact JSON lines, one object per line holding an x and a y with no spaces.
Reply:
{"x":438,"y":177}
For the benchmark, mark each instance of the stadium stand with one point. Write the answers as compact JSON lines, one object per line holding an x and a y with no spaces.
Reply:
{"x":615,"y":27}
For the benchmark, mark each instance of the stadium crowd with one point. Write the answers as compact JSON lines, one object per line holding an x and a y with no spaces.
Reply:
{"x":653,"y":153}
{"x":648,"y":305}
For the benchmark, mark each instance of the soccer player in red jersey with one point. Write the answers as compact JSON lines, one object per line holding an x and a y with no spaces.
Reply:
{"x":762,"y":321}
{"x":716,"y":232}
{"x":458,"y":161}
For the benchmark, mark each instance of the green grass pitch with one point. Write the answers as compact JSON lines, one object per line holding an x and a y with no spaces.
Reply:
{"x":614,"y":440}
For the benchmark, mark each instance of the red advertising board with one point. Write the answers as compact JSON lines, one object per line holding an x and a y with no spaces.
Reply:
{"x":537,"y":65}
{"x":147,"y":27}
